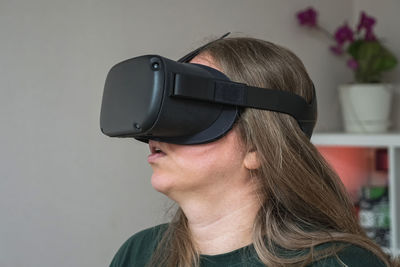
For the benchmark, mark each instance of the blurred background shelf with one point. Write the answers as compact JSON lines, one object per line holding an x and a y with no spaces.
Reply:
{"x":342,"y":143}
{"x":363,"y":140}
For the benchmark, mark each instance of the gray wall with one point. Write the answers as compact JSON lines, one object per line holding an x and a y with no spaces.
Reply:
{"x":70,"y":196}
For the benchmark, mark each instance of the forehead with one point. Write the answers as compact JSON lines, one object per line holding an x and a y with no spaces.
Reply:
{"x":205,"y":59}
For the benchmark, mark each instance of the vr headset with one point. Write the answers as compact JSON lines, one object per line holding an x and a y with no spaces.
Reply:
{"x":154,"y":98}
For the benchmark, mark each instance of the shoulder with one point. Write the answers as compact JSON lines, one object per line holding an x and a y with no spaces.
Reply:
{"x":137,"y":250}
{"x":351,"y":256}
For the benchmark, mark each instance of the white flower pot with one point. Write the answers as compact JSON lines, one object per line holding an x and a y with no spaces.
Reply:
{"x":366,"y":107}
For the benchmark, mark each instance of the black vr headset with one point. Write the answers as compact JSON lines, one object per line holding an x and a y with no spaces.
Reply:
{"x":154,"y":98}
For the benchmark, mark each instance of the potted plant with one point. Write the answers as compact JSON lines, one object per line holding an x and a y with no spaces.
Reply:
{"x":366,"y":101}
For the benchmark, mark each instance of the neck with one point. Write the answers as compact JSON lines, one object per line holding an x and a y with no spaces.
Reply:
{"x":222,"y":224}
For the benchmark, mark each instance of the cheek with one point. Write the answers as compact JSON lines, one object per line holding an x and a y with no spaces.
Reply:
{"x":193,"y":163}
{"x":192,"y":169}
{"x":198,"y":167}
{"x":208,"y":165}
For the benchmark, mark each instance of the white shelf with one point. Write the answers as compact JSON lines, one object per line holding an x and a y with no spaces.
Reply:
{"x":363,"y":140}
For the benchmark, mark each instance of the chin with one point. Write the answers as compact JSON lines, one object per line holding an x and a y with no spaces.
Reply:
{"x":161,"y":184}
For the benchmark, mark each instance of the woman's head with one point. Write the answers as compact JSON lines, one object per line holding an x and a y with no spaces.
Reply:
{"x":303,"y":202}
{"x":261,"y":64}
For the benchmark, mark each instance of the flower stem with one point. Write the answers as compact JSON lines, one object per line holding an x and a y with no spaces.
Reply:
{"x":326,"y":32}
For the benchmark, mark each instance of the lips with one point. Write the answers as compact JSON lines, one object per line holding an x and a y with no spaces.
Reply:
{"x":155,"y":147}
{"x":156,"y":151}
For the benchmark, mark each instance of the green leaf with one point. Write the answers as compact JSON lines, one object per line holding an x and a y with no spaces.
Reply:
{"x":354,"y":47}
{"x":373,"y":59}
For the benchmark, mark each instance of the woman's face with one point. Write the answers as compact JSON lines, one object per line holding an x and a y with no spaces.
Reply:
{"x":181,"y":171}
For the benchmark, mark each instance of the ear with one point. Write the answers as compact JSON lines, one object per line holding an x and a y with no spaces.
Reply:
{"x":251,"y":161}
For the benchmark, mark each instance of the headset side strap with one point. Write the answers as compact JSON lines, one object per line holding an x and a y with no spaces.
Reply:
{"x":242,"y":95}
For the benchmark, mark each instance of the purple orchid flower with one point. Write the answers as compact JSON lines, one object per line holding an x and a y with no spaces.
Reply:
{"x":337,"y":49}
{"x":370,"y":36}
{"x":307,"y":17}
{"x":366,"y":22}
{"x":344,"y":34}
{"x":352,"y":64}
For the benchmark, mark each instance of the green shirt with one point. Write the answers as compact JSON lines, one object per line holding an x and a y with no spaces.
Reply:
{"x":137,"y":251}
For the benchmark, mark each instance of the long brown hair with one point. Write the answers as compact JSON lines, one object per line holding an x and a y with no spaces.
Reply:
{"x":303,"y":202}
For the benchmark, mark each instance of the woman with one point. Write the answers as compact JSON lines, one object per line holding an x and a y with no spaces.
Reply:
{"x":261,"y":195}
